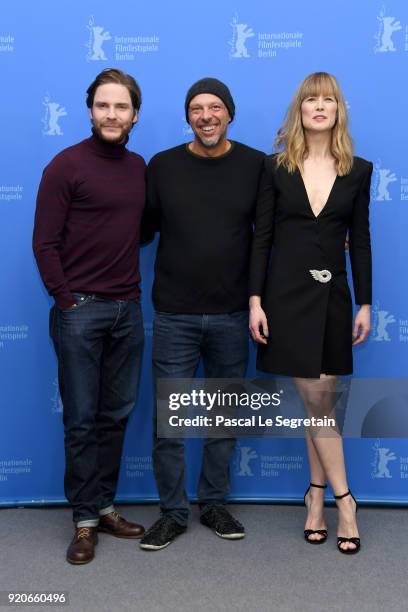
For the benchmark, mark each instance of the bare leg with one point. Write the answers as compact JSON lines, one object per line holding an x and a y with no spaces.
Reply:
{"x":328,"y":456}
{"x":315,"y":497}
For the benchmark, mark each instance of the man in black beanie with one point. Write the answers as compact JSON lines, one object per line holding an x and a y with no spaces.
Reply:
{"x":201,"y":197}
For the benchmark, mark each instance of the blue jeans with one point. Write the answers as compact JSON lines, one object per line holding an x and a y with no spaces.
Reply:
{"x":99,"y":348}
{"x":179,"y":340}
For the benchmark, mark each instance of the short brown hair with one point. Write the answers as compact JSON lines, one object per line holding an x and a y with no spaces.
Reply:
{"x":114,"y":75}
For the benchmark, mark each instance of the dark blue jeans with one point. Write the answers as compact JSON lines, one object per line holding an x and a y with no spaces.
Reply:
{"x":179,"y":340}
{"x":99,"y":348}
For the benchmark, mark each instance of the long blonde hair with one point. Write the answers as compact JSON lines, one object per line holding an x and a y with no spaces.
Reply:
{"x":291,"y":136}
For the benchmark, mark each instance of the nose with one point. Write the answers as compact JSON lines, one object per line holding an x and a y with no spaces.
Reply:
{"x":206,"y":114}
{"x":320,"y":103}
{"x":111,"y":112}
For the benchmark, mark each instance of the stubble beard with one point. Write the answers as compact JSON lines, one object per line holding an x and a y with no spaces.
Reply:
{"x":211,"y":142}
{"x":116,"y":140}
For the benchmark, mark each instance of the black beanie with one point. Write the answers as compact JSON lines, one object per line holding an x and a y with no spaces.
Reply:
{"x":211,"y":86}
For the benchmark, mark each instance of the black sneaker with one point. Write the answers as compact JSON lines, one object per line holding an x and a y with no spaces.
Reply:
{"x":161,"y":533}
{"x":223,"y":523}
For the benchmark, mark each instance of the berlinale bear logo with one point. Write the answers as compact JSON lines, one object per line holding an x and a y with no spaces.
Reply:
{"x":97,"y":36}
{"x":381,"y":320}
{"x":382,"y":458}
{"x":382,"y":177}
{"x":53,"y":112}
{"x":245,"y":455}
{"x":387,"y":27}
{"x":240,"y":33}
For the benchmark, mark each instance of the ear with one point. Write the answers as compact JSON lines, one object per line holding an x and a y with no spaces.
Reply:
{"x":135,"y":117}
{"x":90,"y":113}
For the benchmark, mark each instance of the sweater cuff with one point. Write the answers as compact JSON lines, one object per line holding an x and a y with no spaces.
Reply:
{"x":255,"y":288}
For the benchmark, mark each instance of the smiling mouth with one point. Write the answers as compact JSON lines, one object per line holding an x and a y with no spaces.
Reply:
{"x":208,"y":129}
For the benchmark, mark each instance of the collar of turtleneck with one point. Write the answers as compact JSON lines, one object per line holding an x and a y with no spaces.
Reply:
{"x":105,"y":148}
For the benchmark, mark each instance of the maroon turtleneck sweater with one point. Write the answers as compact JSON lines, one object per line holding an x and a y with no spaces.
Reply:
{"x":87,"y":222}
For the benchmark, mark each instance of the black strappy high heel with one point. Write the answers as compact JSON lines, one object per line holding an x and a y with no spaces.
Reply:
{"x":341,"y":539}
{"x":309,"y":532}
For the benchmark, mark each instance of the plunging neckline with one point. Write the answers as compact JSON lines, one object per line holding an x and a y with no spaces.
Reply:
{"x":307,"y":195}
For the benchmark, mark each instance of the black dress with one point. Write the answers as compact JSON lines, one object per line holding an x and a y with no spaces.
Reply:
{"x":305,"y":294}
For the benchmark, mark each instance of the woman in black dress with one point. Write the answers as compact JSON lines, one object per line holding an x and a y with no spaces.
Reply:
{"x":312,"y":194}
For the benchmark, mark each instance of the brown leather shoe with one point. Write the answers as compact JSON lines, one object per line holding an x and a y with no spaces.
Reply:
{"x":117,"y":526}
{"x":82,"y":548}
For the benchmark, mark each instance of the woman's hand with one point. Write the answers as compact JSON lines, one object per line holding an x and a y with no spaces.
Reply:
{"x":258,"y":323}
{"x":362,"y":324}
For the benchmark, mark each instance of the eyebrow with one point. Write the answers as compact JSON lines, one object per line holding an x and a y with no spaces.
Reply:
{"x":116,"y":103}
{"x":196,"y":106}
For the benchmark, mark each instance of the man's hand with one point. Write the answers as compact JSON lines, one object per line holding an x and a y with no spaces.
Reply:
{"x":362,"y":324}
{"x":258,"y":323}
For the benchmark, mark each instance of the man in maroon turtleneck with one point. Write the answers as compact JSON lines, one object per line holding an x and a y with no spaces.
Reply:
{"x":86,"y":243}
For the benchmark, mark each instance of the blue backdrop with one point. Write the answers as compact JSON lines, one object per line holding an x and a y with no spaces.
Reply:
{"x":49,"y":54}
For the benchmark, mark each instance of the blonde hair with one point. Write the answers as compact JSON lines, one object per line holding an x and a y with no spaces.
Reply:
{"x":291,"y":136}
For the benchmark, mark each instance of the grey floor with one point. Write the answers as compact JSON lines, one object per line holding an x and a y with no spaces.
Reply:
{"x":271,"y":569}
